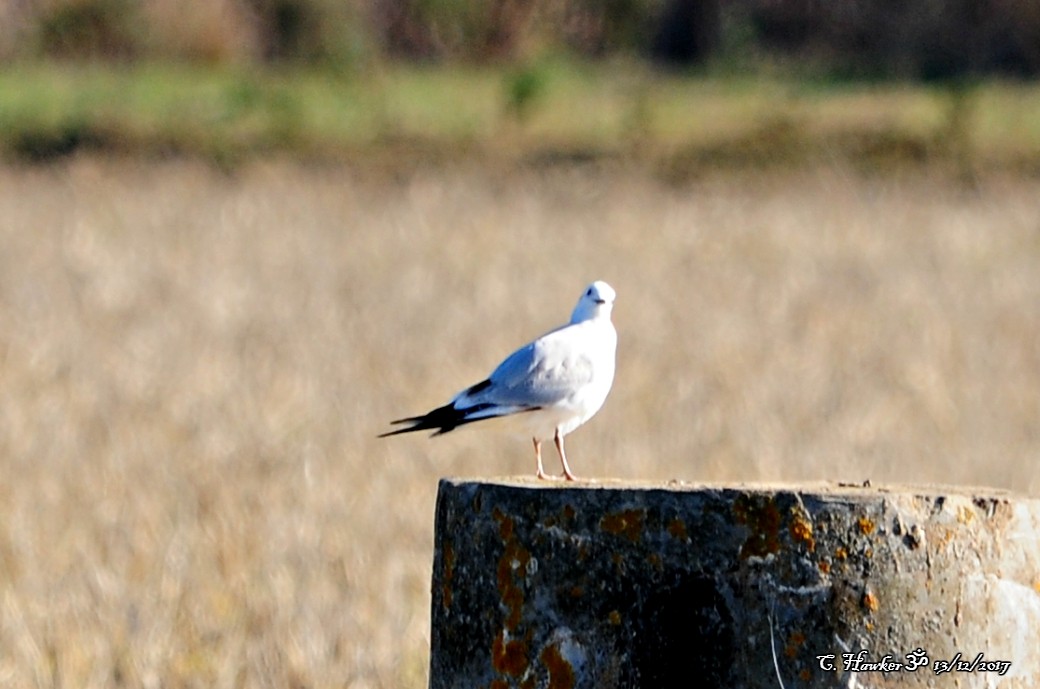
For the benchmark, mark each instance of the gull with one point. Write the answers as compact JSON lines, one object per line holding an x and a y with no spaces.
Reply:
{"x":547,"y":388}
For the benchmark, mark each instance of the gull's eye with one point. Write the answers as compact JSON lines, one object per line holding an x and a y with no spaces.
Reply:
{"x":589,"y":293}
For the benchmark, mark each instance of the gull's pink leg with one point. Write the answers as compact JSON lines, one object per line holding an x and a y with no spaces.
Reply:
{"x":558,"y":439}
{"x":538,"y":456}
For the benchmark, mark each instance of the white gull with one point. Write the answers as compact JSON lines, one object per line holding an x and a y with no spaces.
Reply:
{"x":548,"y":387}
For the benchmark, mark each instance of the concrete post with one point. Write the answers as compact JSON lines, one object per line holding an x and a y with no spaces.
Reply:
{"x":613,"y":585}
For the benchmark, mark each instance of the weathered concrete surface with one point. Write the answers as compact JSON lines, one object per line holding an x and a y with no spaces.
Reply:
{"x":619,"y":585}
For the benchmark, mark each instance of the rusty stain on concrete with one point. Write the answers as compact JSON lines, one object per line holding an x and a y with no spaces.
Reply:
{"x":505,"y":523}
{"x":561,"y":674}
{"x":627,"y":522}
{"x":794,"y":642}
{"x":762,"y":518}
{"x":511,"y":567}
{"x":509,"y":656}
{"x":677,"y":530}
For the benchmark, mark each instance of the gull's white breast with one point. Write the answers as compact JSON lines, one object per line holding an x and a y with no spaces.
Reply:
{"x":574,"y":371}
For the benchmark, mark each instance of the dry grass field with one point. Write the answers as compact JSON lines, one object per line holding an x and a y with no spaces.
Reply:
{"x":194,"y":366}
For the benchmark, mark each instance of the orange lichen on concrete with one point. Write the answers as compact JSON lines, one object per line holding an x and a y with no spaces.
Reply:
{"x":825,"y":567}
{"x":802,"y":530}
{"x":627,"y":522}
{"x":509,"y":657}
{"x":614,"y":618}
{"x":840,"y":553}
{"x":561,"y":674}
{"x":762,"y":518}
{"x":866,"y":526}
{"x":870,"y":601}
{"x":511,"y":567}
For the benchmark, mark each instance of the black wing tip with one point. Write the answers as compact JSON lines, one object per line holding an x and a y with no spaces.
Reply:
{"x":414,"y":429}
{"x":419,"y":426}
{"x":440,"y":420}
{"x":443,"y":419}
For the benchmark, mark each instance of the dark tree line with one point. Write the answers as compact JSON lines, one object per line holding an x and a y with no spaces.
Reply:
{"x":922,"y":39}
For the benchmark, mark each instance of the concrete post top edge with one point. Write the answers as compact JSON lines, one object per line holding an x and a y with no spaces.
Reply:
{"x":836,"y":489}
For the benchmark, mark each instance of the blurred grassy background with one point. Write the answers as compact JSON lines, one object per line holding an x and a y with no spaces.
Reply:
{"x":194,"y":366}
{"x":236,"y":240}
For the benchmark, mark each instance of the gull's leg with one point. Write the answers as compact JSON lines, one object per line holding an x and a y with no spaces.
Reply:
{"x":558,"y":439}
{"x":538,"y":456}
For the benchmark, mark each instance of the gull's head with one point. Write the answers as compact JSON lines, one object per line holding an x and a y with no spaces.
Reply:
{"x":596,"y":302}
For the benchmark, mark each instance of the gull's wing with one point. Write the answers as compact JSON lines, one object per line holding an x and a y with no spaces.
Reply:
{"x":540,"y":374}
